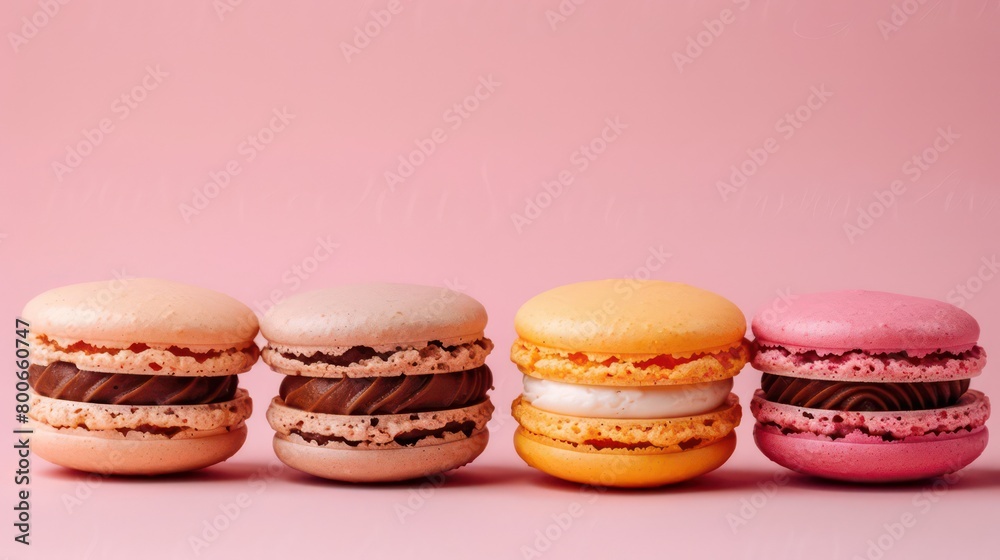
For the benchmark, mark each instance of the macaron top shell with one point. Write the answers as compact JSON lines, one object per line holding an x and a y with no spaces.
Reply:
{"x":631,"y":317}
{"x":873,"y":322}
{"x":149,"y":311}
{"x":375,"y":315}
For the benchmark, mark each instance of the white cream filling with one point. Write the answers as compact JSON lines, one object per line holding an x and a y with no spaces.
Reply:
{"x":597,"y":401}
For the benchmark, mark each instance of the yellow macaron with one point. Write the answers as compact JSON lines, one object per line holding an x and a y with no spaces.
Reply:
{"x":627,"y":383}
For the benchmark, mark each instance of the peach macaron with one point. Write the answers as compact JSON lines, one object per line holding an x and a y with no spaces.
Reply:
{"x":138,"y":376}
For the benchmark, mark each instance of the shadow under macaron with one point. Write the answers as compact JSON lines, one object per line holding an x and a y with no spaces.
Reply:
{"x":222,"y":472}
{"x":729,"y":479}
{"x":465,"y":477}
{"x":968,"y":479}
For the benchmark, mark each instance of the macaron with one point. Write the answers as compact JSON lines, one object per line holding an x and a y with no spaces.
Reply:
{"x":383,"y":382}
{"x":869,"y":386}
{"x":138,"y":376}
{"x":626,"y":382}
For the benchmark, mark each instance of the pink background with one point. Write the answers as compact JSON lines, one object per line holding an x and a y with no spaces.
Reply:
{"x":653,"y":188}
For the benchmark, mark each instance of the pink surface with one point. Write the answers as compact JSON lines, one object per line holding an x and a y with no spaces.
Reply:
{"x":647,"y":118}
{"x":875,"y":322}
{"x":970,"y":412}
{"x":860,"y":366}
{"x":871,"y":462}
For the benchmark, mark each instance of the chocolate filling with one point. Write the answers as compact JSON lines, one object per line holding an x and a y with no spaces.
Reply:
{"x":360,"y":353}
{"x":407,"y":439}
{"x":387,"y":395}
{"x":150,"y":429}
{"x":65,"y":381}
{"x":320,"y":439}
{"x":413,"y":436}
{"x":861,"y":396}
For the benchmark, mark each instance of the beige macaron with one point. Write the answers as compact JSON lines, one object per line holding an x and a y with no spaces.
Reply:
{"x":416,"y":329}
{"x":383,"y":382}
{"x":138,"y":376}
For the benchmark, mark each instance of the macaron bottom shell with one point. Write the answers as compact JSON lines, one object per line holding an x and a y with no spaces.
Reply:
{"x":378,"y":465}
{"x":116,"y":439}
{"x":620,"y":468}
{"x":115,"y":456}
{"x":890,"y":461}
{"x":378,"y":448}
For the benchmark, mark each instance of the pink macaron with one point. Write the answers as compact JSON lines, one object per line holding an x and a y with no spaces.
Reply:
{"x":869,"y":387}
